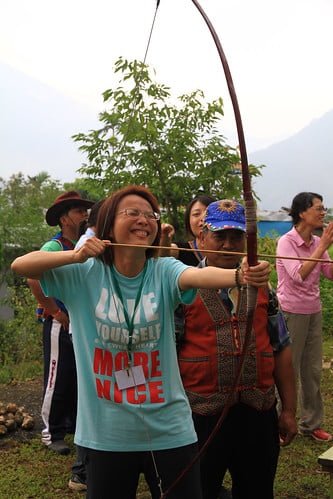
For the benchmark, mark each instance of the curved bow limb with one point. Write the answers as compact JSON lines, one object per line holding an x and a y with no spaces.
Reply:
{"x":251,"y":236}
{"x":250,"y":208}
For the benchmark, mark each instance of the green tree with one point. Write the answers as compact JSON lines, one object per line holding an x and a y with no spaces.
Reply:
{"x":88,"y":189}
{"x":176,"y":150}
{"x":23,"y":202}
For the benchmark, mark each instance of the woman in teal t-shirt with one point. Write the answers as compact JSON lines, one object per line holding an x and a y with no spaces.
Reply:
{"x":133,"y":414}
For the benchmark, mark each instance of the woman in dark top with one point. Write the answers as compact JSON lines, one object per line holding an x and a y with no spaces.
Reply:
{"x":194,"y":214}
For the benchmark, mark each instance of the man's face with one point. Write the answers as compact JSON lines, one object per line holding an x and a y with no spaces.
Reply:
{"x":75,"y":216}
{"x":227,"y":240}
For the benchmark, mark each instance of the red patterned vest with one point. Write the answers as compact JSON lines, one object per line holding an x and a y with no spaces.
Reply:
{"x":210,"y":354}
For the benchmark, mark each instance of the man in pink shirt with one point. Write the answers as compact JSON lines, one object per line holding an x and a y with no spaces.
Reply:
{"x":299,"y":297}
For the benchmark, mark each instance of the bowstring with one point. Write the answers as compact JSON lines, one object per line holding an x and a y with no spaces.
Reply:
{"x":135,"y":100}
{"x":136,"y":95}
{"x":136,"y":387}
{"x":141,"y":412}
{"x":151,"y":30}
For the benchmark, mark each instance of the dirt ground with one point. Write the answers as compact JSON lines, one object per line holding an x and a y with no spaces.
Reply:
{"x":29,"y":395}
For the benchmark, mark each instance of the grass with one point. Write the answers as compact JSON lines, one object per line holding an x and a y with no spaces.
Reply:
{"x":20,"y":372}
{"x":29,"y":470}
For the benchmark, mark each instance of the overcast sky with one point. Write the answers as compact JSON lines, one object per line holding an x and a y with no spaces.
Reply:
{"x":279,"y":53}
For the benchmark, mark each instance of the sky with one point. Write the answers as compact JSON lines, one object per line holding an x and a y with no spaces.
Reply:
{"x":279,"y":54}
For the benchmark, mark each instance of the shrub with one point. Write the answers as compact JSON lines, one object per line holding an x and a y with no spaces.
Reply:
{"x":20,"y":337}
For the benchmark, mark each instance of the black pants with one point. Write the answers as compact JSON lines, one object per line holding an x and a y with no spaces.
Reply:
{"x":247,"y":444}
{"x":60,"y":383}
{"x":116,"y":474}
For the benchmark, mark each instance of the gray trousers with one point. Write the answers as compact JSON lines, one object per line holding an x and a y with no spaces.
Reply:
{"x":306,"y":336}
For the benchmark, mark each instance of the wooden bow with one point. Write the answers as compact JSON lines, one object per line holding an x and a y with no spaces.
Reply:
{"x":251,"y":236}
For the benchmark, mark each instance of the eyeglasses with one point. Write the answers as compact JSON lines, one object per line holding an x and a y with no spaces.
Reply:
{"x":320,"y":208}
{"x":135,"y":213}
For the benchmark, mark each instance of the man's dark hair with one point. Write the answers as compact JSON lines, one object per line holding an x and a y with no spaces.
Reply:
{"x":92,"y":219}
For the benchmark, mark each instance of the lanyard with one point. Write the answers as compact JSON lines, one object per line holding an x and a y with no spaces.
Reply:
{"x":129,"y":321}
{"x":195,"y":247}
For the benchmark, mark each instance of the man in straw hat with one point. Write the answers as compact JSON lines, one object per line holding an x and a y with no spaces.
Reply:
{"x":60,"y":391}
{"x":247,"y":442}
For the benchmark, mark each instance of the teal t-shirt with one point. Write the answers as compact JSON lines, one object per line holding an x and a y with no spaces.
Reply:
{"x":155,"y":415}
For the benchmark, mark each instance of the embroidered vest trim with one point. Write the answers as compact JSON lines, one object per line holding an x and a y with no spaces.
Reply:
{"x":210,"y":354}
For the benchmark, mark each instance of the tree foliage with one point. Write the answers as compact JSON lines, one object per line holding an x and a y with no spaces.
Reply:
{"x":145,"y":139}
{"x":20,"y":336}
{"x":23,"y":204}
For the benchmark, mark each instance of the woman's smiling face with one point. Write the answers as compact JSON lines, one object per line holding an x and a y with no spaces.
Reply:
{"x":315,"y":214}
{"x":196,"y":217}
{"x":134,"y":230}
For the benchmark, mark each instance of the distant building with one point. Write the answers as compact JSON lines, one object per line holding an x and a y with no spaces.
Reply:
{"x":273,"y":223}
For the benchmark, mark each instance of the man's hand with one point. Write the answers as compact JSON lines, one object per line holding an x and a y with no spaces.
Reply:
{"x":63,"y":318}
{"x":287,"y":427}
{"x":257,"y":276}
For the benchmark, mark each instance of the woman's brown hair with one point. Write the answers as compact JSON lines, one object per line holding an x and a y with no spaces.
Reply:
{"x":107,"y":215}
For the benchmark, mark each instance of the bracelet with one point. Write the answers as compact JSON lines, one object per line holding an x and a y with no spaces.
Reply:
{"x":237,"y":281}
{"x":57,"y":313}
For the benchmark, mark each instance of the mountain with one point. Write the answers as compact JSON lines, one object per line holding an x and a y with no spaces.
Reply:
{"x":36,"y":126}
{"x":303,"y":162}
{"x":37,"y":123}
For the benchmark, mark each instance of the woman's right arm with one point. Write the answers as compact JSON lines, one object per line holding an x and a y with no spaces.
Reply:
{"x":215,"y":277}
{"x":34,"y":264}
